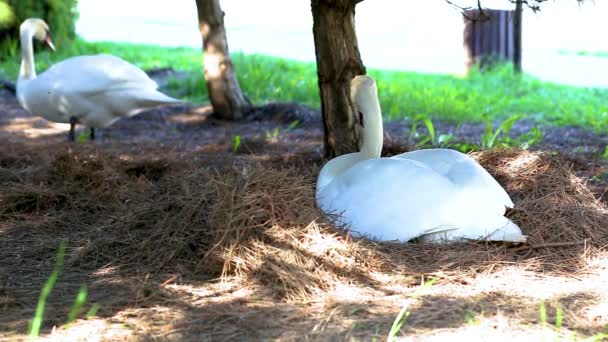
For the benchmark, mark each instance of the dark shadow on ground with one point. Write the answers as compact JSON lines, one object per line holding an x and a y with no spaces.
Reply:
{"x":88,"y":193}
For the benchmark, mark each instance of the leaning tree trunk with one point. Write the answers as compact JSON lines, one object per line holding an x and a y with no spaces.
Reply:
{"x":338,"y":61}
{"x":224,"y":91}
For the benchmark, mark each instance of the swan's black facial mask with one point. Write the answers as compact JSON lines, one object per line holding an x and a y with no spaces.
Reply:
{"x":361,"y":119}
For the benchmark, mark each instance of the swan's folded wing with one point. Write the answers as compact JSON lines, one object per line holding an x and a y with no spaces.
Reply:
{"x":465,"y":172}
{"x":90,"y":75}
{"x":441,"y":229}
{"x":389,"y":199}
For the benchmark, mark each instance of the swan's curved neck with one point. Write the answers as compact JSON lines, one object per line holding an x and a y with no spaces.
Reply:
{"x":372,"y":132}
{"x":28,"y":69}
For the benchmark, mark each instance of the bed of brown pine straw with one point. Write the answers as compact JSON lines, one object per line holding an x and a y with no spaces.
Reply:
{"x":225,"y":246}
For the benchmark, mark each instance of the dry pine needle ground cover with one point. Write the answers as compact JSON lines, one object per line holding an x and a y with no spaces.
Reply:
{"x":202,"y":243}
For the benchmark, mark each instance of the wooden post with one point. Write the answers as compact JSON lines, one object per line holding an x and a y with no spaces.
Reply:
{"x":492,"y":36}
{"x":517,"y":16}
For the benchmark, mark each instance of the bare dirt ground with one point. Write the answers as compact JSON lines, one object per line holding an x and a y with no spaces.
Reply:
{"x":179,"y":237}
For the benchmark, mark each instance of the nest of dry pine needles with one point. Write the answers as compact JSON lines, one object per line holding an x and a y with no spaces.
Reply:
{"x":553,"y":204}
{"x":258,"y":222}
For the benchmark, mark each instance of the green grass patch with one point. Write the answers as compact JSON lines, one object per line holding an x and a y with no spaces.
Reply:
{"x":495,"y":94}
{"x":584,"y":53}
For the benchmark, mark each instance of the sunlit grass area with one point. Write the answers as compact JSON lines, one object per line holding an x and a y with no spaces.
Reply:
{"x":584,"y":53}
{"x":494,"y":95}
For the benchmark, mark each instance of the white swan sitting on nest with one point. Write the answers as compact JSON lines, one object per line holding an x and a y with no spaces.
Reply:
{"x":91,"y":90}
{"x":434,"y":194}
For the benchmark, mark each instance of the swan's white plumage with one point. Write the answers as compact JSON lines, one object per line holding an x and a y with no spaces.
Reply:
{"x":435,"y":194}
{"x":96,"y":90}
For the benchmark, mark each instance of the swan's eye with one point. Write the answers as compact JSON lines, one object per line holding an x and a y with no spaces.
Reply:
{"x":361,"y":119}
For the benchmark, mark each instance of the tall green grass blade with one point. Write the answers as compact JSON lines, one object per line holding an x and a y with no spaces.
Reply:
{"x":36,"y":323}
{"x":431,"y":128}
{"x":236,"y":143}
{"x":92,"y":311}
{"x":398,"y":323}
{"x":559,"y":317}
{"x":293,"y":124}
{"x":404,"y":314}
{"x":487,"y":139}
{"x":543,"y":313}
{"x":531,"y":138}
{"x":81,"y":298}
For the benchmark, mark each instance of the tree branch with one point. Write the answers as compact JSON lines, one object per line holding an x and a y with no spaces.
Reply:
{"x":534,"y":5}
{"x":482,"y":13}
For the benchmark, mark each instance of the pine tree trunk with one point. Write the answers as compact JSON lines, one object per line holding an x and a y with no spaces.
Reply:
{"x":224,"y":91}
{"x":338,"y":61}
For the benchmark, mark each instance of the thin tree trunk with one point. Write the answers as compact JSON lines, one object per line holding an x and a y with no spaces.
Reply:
{"x":338,"y":61}
{"x":517,"y":34}
{"x":224,"y":91}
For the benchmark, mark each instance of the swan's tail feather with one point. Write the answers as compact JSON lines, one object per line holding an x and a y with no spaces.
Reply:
{"x":505,"y":230}
{"x":156,"y":99}
{"x":437,"y":234}
{"x":510,"y":232}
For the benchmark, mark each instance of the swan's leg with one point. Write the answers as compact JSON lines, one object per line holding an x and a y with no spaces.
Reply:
{"x":72,"y":134}
{"x":92,"y":134}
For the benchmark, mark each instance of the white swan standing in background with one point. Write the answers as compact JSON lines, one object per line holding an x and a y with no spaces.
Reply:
{"x":91,"y":90}
{"x":434,"y":194}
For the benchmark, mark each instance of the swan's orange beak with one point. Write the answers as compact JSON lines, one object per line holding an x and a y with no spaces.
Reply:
{"x":49,"y":42}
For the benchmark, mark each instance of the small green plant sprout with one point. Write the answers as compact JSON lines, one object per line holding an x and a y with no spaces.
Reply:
{"x":78,"y":305}
{"x":431,"y":129}
{"x":531,"y":138}
{"x":93,"y":310}
{"x":36,"y":323}
{"x":431,"y":139}
{"x":236,"y":143}
{"x":542,"y":313}
{"x":559,"y":317}
{"x":470,"y":317}
{"x":404,"y":313}
{"x":398,"y":323}
{"x":559,"y":323}
{"x":499,"y":137}
{"x":272,"y":136}
{"x":293,"y":125}
{"x":543,"y":317}
{"x":81,"y":298}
